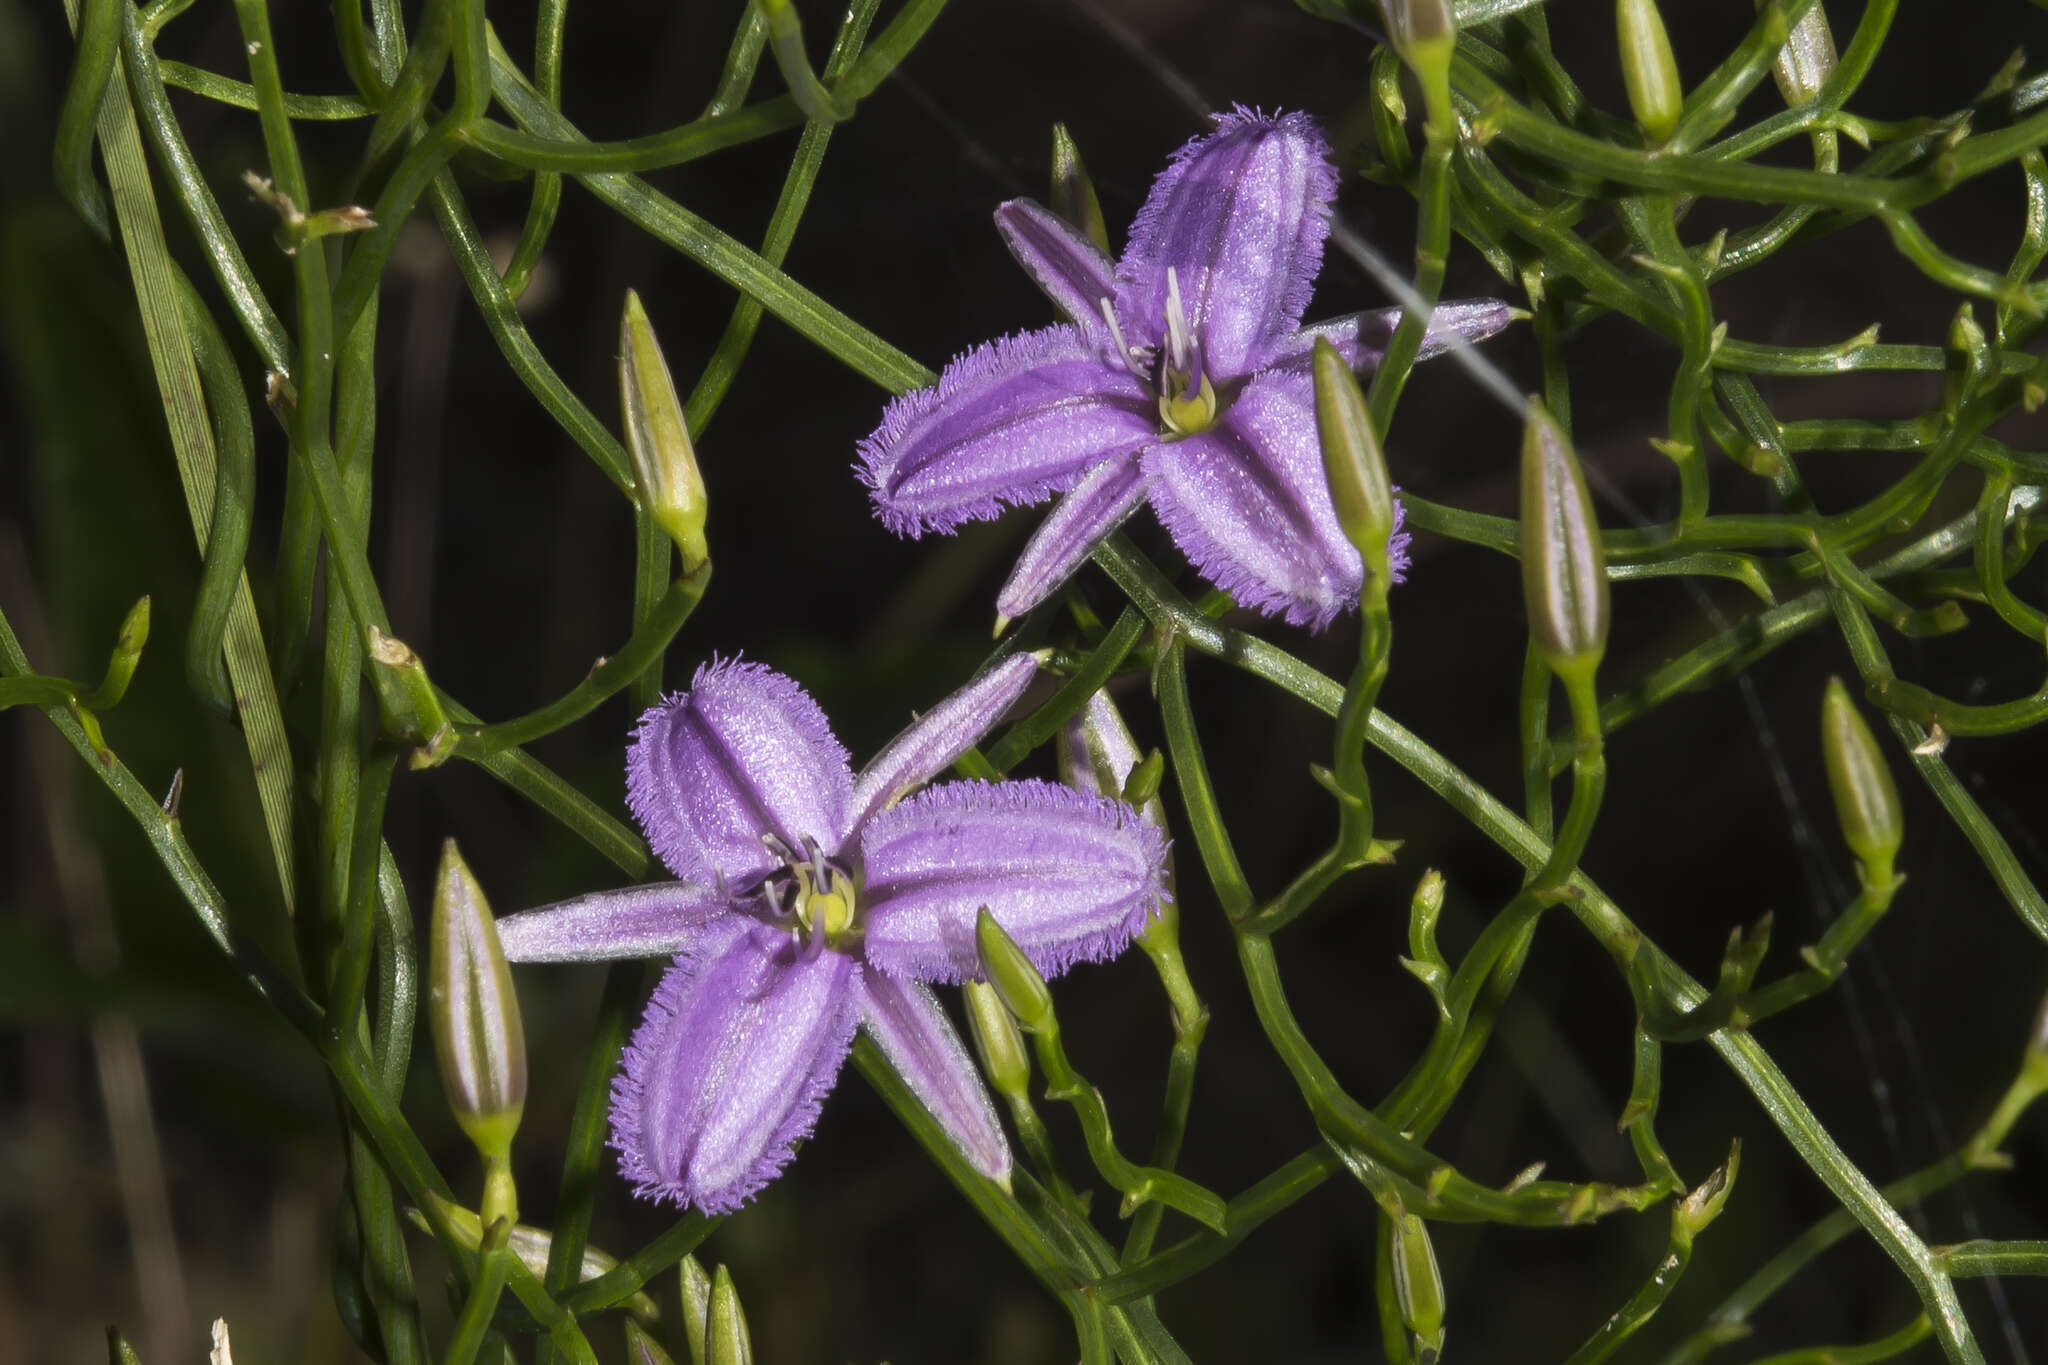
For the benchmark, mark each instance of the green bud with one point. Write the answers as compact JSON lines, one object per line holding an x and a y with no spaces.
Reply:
{"x":1020,"y":985}
{"x":664,"y":462}
{"x":1865,"y":800}
{"x":1418,"y":1287}
{"x":696,"y":1289}
{"x":1807,"y":59}
{"x":1073,"y":193}
{"x":1425,"y":33}
{"x":726,"y":1341}
{"x":642,"y":1349}
{"x":997,"y":1041}
{"x":119,"y":1352}
{"x":1096,"y":753}
{"x":474,"y":1013}
{"x":1564,"y":569}
{"x":1353,"y":462}
{"x":1648,"y":69}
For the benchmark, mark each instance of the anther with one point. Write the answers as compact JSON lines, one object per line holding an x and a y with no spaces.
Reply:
{"x":1116,"y":334}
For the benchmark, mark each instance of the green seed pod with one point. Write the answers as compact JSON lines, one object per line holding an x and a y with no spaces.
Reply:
{"x":642,"y":1349}
{"x":726,"y":1341}
{"x":1418,"y":1287}
{"x":664,"y":462}
{"x":474,"y":1012}
{"x":1353,"y":461}
{"x":1016,"y":981}
{"x":696,"y":1289}
{"x":997,"y":1041}
{"x":1807,"y":59}
{"x":1865,"y":800}
{"x":1564,"y":569}
{"x":1648,"y":69}
{"x":1073,"y":193}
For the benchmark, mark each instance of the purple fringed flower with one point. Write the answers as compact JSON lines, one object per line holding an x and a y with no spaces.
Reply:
{"x":813,"y":902}
{"x":1182,"y":377}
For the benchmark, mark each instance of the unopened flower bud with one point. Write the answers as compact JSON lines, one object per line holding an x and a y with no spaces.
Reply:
{"x":119,"y":1352}
{"x":1425,"y":33}
{"x":642,"y":1349}
{"x":1865,"y":799}
{"x":997,"y":1041}
{"x":474,"y":1012}
{"x":1418,"y":1287}
{"x":1807,"y":59}
{"x":664,"y":462}
{"x":696,"y":1290}
{"x":1564,"y":568}
{"x":1353,"y":462}
{"x":1019,"y":984}
{"x":1648,"y":69}
{"x":725,"y":1333}
{"x":1073,"y":193}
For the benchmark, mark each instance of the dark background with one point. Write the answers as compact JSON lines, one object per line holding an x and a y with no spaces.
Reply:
{"x":506,"y":559}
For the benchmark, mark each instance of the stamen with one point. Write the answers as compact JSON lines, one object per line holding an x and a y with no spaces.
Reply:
{"x":1116,"y":334}
{"x":1180,"y":344}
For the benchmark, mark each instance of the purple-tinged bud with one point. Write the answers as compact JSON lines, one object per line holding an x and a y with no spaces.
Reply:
{"x":1648,"y":69}
{"x":1866,"y":801}
{"x":1807,"y":59}
{"x":474,"y":1011}
{"x":664,"y":462}
{"x":696,"y":1291}
{"x":725,"y":1332}
{"x":1418,"y":1287}
{"x":642,"y":1349}
{"x":1019,"y":984}
{"x":1353,"y":462}
{"x":997,"y":1041}
{"x":1564,"y":568}
{"x":1073,"y":193}
{"x":1704,"y":1204}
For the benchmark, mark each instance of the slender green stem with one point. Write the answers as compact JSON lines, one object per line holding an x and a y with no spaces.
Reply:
{"x":650,"y":640}
{"x":1139,"y":1185}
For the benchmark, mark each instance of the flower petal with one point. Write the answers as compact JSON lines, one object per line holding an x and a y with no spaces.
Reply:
{"x":1361,"y":338}
{"x":1248,"y":503}
{"x":1240,"y":215}
{"x":1070,"y":876}
{"x":744,"y":753}
{"x":1103,"y":499}
{"x":908,"y":1024}
{"x":932,"y":741}
{"x":1061,"y":261}
{"x":1009,"y":423}
{"x":636,"y":921}
{"x":741,"y":1042}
